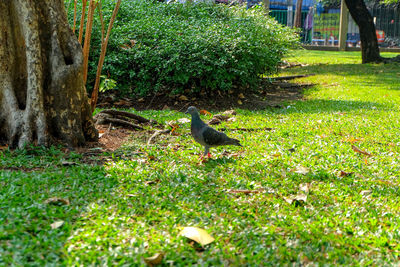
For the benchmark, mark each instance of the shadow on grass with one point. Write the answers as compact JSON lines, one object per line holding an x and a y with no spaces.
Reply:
{"x":330,"y":106}
{"x":27,"y":236}
{"x":365,"y":74}
{"x":350,"y":185}
{"x":213,"y":162}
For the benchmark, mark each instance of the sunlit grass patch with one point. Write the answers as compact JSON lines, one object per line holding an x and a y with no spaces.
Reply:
{"x":133,"y":206}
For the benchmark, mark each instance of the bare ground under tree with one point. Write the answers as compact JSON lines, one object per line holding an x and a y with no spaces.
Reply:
{"x":269,"y":95}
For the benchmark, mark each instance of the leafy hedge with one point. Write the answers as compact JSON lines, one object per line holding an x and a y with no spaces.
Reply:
{"x":157,"y":46}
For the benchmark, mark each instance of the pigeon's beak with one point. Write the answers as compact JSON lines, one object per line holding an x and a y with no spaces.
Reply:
{"x":186,"y":112}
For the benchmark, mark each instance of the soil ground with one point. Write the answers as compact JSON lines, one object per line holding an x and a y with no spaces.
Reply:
{"x":268,"y":95}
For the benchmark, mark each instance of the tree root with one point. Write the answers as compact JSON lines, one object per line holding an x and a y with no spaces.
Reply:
{"x":157,"y":133}
{"x":291,"y":77}
{"x":391,"y":60}
{"x":246,"y":129}
{"x":122,"y":118}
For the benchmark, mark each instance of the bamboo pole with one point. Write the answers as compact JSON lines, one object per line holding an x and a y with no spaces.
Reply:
{"x":88,"y":34}
{"x":75,"y":4}
{"x":344,"y":23}
{"x":104,"y":43}
{"x":82,"y":21}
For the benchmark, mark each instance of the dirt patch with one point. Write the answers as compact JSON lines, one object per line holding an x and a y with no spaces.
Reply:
{"x":268,"y":95}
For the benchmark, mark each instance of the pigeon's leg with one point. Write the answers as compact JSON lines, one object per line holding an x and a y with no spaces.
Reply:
{"x":206,"y":152}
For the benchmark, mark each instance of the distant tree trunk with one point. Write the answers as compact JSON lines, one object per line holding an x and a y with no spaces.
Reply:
{"x":297,"y":14}
{"x":369,"y":41}
{"x":42,"y":94}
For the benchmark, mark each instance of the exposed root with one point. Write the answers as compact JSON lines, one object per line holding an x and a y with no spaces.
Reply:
{"x":291,"y":77}
{"x":391,"y":60}
{"x":118,"y":122}
{"x":157,"y":133}
{"x":122,"y":118}
{"x":114,"y":112}
{"x":246,"y":129}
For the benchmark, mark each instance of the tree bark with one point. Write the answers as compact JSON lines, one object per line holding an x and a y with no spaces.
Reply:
{"x":297,"y":14}
{"x":369,"y":41}
{"x":42,"y":94}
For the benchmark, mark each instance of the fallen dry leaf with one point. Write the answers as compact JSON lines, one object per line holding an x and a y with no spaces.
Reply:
{"x":173,"y":124}
{"x":221,"y":117}
{"x":356,"y":149}
{"x":229,"y":112}
{"x":183,"y":98}
{"x":197,"y":234}
{"x":298,"y":200}
{"x":354,"y":140}
{"x":241,"y":96}
{"x":214,"y":121}
{"x":57,"y":201}
{"x":366,"y":193}
{"x":245,"y":191}
{"x":68,"y":163}
{"x":345,"y":174}
{"x":122,"y":103}
{"x":184,"y":120}
{"x":173,"y":130}
{"x":204,"y":112}
{"x":240,"y":102}
{"x":155,"y":259}
{"x":56,"y":224}
{"x":150,"y":182}
{"x":151,"y":157}
{"x":305,"y":187}
{"x":301,"y":170}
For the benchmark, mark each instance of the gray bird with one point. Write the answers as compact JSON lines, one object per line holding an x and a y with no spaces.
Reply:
{"x":207,"y":136}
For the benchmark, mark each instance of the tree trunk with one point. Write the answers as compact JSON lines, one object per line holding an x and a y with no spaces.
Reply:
{"x":297,"y":14}
{"x":42,"y":94}
{"x":369,"y":41}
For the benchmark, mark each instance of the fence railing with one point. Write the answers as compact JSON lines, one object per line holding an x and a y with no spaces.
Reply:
{"x":324,"y":27}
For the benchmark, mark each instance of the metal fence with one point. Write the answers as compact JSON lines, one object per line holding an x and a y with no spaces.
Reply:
{"x":323,"y":28}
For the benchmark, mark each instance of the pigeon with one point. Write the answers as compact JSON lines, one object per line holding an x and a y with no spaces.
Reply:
{"x":207,"y":136}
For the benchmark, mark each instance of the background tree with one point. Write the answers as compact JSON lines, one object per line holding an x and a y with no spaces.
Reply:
{"x":297,"y":14}
{"x":42,"y":94}
{"x":369,"y":41}
{"x":360,"y":14}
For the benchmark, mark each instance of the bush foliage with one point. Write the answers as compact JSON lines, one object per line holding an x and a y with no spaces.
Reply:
{"x":156,"y":46}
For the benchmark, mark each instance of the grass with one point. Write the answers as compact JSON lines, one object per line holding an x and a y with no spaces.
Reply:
{"x":134,"y":205}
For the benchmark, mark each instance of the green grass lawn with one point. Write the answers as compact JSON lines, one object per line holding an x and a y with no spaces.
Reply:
{"x":133,"y":206}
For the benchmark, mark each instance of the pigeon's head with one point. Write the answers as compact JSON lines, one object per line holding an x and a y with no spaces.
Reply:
{"x":192,"y":110}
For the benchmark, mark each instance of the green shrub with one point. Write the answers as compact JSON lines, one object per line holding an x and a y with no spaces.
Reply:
{"x":174,"y":47}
